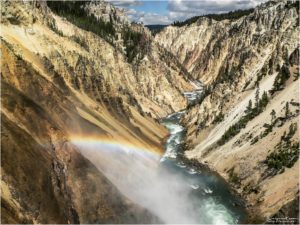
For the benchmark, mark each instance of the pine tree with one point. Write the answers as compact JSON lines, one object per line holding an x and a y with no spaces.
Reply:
{"x":278,"y":68}
{"x":292,"y":130}
{"x":273,"y":115}
{"x":264,"y":100}
{"x":257,"y":98}
{"x":282,"y":76}
{"x":285,"y":72}
{"x":287,"y":110}
{"x":249,"y":107}
{"x":296,"y":75}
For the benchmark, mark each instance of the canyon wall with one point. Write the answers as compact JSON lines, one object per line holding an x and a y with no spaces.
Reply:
{"x":62,"y":80}
{"x":61,"y":83}
{"x":254,"y":145}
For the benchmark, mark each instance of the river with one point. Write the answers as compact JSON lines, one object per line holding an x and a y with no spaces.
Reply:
{"x":210,"y":197}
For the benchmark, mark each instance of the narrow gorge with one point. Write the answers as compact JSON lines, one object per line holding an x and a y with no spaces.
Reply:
{"x":104,"y":121}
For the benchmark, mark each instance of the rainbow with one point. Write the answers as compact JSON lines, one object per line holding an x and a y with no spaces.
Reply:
{"x":116,"y":145}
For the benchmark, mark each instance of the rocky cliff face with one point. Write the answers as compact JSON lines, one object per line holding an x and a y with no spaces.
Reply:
{"x":251,"y":58}
{"x":60,"y":82}
{"x":62,"y":79}
{"x":43,"y":175}
{"x":210,"y":49}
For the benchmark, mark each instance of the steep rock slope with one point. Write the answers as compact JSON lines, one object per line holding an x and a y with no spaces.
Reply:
{"x":43,"y":175}
{"x":254,"y":145}
{"x":59,"y":83}
{"x":209,"y":49}
{"x":75,"y":50}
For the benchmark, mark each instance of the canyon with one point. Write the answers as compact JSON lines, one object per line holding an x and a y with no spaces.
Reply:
{"x":238,"y":60}
{"x":68,"y":88}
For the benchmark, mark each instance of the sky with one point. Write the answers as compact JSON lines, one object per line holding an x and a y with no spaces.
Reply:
{"x":168,"y":11}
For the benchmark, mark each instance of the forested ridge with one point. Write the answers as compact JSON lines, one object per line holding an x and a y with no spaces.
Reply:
{"x":232,"y":15}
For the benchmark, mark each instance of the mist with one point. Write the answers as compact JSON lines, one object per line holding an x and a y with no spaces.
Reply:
{"x":140,"y":177}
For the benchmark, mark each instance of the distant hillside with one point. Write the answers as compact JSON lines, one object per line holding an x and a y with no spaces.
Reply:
{"x":155,"y":28}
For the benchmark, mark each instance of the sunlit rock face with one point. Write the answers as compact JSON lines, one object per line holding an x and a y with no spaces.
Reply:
{"x":107,"y":12}
{"x":62,"y":81}
{"x":44,"y":178}
{"x":231,"y":58}
{"x":109,"y":78}
{"x":209,"y":48}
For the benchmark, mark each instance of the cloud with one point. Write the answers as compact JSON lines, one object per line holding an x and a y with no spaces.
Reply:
{"x":154,"y":18}
{"x":147,"y":18}
{"x":180,"y":10}
{"x":210,"y":6}
{"x":125,"y":3}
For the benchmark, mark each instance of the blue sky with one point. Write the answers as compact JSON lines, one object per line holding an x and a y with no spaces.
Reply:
{"x":152,"y":6}
{"x":167,"y":11}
